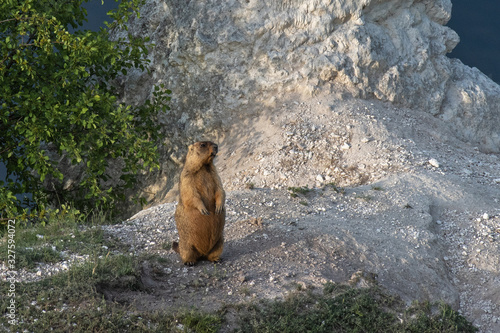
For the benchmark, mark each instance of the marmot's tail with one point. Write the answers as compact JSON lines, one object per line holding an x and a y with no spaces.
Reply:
{"x":175,"y":246}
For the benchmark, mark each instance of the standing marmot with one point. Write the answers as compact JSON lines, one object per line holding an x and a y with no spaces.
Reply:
{"x":200,"y":215}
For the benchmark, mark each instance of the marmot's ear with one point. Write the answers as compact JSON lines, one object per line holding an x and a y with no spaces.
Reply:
{"x":190,"y":148}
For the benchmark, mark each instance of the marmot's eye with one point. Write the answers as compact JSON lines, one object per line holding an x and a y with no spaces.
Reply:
{"x":203,"y":145}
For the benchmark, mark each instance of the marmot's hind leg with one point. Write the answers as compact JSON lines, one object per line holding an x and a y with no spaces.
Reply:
{"x":189,"y":254}
{"x":214,"y":255}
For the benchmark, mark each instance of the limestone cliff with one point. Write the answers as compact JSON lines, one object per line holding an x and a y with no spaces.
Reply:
{"x":229,"y":60}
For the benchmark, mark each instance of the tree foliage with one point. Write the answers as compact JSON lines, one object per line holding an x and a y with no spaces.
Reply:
{"x":58,"y":104}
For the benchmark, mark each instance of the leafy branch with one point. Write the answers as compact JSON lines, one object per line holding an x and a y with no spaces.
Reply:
{"x":59,"y":107}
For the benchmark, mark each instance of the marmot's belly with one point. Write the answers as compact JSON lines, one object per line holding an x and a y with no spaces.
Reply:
{"x":205,"y":231}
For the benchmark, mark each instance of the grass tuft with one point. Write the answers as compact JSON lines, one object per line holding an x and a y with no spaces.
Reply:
{"x":295,"y":191}
{"x":344,"y":309}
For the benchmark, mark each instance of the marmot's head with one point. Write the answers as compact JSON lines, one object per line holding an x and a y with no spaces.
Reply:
{"x":205,"y":151}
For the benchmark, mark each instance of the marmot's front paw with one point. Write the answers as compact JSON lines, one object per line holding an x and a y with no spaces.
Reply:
{"x":189,"y":263}
{"x":219,"y":209}
{"x":204,"y":211}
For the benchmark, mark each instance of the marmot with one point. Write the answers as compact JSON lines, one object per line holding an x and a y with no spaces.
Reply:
{"x":200,"y":214}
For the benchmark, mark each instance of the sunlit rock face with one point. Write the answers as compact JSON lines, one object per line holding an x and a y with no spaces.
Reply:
{"x":227,"y":60}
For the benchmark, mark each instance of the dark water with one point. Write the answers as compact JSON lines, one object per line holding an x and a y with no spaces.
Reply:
{"x":478,"y":25}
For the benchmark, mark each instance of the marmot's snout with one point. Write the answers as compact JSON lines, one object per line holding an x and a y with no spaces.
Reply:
{"x":215,"y":149}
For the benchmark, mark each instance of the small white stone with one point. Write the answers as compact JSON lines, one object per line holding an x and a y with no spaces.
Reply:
{"x":486,"y":216}
{"x":434,"y":162}
{"x":345,"y":146}
{"x":320,"y":178}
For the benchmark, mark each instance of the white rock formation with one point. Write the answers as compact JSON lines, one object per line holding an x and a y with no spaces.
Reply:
{"x":229,"y":60}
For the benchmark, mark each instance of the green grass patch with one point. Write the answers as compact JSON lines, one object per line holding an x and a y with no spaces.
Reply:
{"x":295,"y":191}
{"x":71,"y":302}
{"x":29,"y":257}
{"x":44,"y":242}
{"x":344,"y":309}
{"x":200,"y":322}
{"x":436,"y":318}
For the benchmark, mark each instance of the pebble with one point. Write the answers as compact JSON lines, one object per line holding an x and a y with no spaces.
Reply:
{"x":345,"y":146}
{"x":433,"y":162}
{"x":366,"y":140}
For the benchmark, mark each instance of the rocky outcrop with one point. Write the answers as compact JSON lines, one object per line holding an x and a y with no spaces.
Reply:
{"x":226,"y":61}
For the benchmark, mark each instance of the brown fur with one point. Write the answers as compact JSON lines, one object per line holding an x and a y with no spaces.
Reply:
{"x":200,"y":215}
